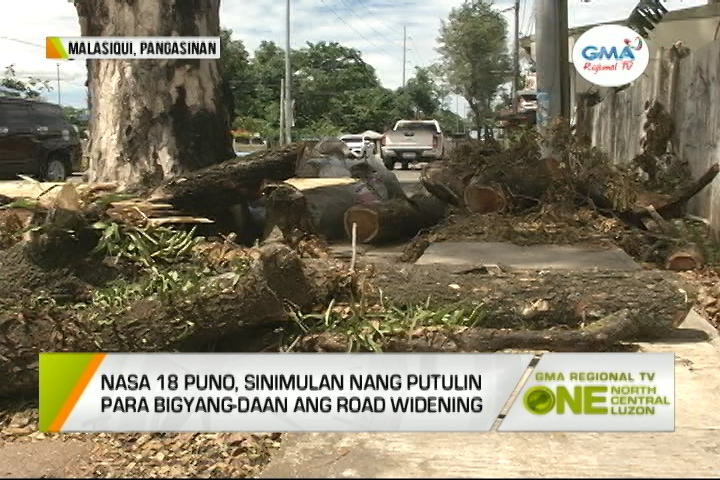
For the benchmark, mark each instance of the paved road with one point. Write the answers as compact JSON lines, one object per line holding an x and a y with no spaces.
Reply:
{"x":409,"y":179}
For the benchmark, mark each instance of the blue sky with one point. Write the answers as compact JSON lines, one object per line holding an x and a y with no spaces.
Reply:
{"x":375,"y":27}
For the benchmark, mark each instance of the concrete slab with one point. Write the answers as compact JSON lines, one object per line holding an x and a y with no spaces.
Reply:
{"x":693,"y":450}
{"x":535,"y":257}
{"x":383,"y":253}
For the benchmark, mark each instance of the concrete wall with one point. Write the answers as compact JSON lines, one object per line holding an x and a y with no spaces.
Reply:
{"x":693,"y":102}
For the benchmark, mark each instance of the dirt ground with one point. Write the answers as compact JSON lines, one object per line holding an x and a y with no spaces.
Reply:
{"x":217,"y":455}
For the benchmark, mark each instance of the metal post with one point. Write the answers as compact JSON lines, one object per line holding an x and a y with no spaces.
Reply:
{"x":288,"y":75}
{"x":58,"y":83}
{"x":457,"y":112}
{"x":516,"y":57}
{"x":404,"y":53}
{"x":281,"y":135}
{"x":553,"y":72}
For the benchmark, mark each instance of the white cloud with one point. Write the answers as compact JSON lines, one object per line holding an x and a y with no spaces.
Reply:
{"x":375,"y":27}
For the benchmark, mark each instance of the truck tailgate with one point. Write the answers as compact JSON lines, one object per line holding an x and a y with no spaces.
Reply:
{"x":409,"y":139}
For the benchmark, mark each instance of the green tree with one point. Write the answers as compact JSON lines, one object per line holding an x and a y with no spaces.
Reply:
{"x":237,"y":75}
{"x":475,"y":62}
{"x":325,"y":73}
{"x":423,"y":92}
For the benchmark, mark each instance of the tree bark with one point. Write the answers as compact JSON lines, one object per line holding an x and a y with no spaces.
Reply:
{"x":655,"y":300}
{"x":446,"y":181}
{"x":230,"y":182}
{"x":153,"y":119}
{"x":596,"y":337}
{"x":228,"y":307}
{"x":313,"y":205}
{"x":394,"y":219}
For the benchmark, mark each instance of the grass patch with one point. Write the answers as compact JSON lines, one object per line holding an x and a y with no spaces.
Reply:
{"x":366,"y":327}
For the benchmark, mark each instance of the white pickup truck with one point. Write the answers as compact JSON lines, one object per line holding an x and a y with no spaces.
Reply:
{"x":413,"y":141}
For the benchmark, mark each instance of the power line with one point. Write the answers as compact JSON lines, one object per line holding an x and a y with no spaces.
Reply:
{"x":390,"y":27}
{"x":334,"y":12}
{"x":22,"y":41}
{"x":351,"y":10}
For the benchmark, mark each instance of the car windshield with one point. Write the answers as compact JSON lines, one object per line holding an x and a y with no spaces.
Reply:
{"x":416,"y":126}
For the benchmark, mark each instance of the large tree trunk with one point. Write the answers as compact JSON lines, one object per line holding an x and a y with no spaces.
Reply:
{"x":152,"y":119}
{"x":656,"y":301}
{"x":395,"y":219}
{"x":228,"y":307}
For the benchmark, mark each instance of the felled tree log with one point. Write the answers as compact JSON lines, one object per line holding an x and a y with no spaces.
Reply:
{"x":597,"y":336}
{"x":230,"y":182}
{"x":393,"y":219}
{"x":446,"y":181}
{"x":230,"y":306}
{"x":486,"y":190}
{"x":314,"y":205}
{"x":656,"y":301}
{"x":479,"y":198}
{"x":686,"y":257}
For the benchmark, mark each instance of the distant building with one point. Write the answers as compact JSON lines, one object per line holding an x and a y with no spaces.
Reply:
{"x":695,"y":27}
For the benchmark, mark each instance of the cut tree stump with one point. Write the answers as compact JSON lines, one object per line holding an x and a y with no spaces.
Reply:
{"x":383,"y":221}
{"x":395,"y":219}
{"x":231,"y":306}
{"x":484,"y":198}
{"x":446,"y":181}
{"x":687,"y":257}
{"x":655,"y":300}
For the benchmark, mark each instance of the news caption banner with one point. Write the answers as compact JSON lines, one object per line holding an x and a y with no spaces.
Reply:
{"x":130,"y":48}
{"x":168,"y":392}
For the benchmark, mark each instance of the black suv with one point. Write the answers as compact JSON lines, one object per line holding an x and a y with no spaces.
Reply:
{"x":37,"y":139}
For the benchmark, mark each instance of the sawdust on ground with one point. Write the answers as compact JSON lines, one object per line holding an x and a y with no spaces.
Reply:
{"x":105,"y":455}
{"x":708,"y":299}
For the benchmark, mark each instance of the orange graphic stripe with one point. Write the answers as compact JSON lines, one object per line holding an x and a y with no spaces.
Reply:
{"x":51,"y":51}
{"x":76,"y":392}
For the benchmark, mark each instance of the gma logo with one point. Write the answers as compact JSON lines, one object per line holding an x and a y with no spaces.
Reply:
{"x":587,"y":400}
{"x":593,"y":53}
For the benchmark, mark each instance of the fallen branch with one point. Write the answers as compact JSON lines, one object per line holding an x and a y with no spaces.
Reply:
{"x":596,"y":337}
{"x":225,"y":307}
{"x":674,"y":208}
{"x":655,"y":300}
{"x":230,"y":182}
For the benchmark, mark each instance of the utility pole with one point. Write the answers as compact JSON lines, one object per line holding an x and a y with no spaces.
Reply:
{"x":404,"y":53}
{"x":457,"y":112}
{"x":553,"y":68}
{"x":288,"y":77}
{"x":281,"y":135}
{"x":516,"y":57}
{"x":58,"y":83}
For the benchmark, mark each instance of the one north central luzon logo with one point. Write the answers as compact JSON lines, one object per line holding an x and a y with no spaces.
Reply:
{"x":602,"y":58}
{"x":599,"y":393}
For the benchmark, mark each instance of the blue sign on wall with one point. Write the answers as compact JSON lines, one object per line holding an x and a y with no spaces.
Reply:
{"x":543,"y":109}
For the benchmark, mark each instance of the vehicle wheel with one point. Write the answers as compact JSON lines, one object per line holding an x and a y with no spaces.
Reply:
{"x":405,"y":165}
{"x":389,"y":163}
{"x":56,"y":169}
